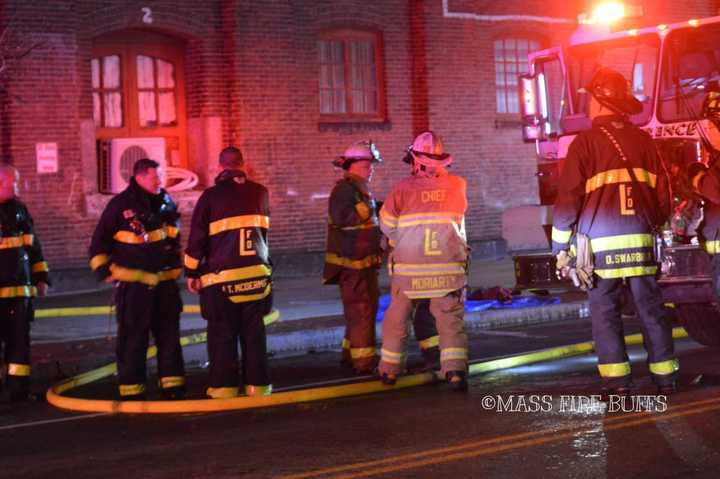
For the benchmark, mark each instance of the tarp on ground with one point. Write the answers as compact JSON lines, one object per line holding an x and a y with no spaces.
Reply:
{"x":484,"y":305}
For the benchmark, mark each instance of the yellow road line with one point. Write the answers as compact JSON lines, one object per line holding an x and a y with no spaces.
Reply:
{"x":502,"y":443}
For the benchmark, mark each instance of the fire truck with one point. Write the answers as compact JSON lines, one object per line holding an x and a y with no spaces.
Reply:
{"x":671,"y":67}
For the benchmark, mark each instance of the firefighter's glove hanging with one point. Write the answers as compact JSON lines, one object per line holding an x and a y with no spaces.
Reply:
{"x":582,"y":276}
{"x":563,"y":264}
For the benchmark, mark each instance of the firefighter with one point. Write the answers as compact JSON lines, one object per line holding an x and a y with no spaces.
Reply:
{"x":23,"y":274}
{"x":353,"y":253}
{"x":614,"y":193}
{"x":228,"y":263}
{"x":424,"y":220}
{"x":136,"y":245}
{"x":706,"y":182}
{"x":353,"y":256}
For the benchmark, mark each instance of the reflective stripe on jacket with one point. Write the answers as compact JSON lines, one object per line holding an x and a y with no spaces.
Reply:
{"x":424,"y":220}
{"x":597,"y":197}
{"x":137,"y":239}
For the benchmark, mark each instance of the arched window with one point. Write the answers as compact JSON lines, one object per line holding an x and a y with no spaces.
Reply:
{"x":138,"y":90}
{"x":350,"y":86}
{"x":510,"y":61}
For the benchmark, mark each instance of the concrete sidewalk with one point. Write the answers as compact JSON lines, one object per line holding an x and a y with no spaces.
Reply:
{"x":311,"y":313}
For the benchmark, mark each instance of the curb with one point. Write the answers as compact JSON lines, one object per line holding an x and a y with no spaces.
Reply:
{"x":331,"y":338}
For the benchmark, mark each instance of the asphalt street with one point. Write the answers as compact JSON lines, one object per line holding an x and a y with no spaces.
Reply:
{"x":532,"y":421}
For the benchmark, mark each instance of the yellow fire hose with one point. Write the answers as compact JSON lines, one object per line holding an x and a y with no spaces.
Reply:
{"x":94,"y":311}
{"x":54,"y":394}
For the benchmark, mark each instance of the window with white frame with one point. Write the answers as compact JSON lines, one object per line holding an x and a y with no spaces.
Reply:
{"x":510,"y":62}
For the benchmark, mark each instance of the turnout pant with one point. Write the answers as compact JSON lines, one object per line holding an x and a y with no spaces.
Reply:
{"x":426,"y":334}
{"x":448,"y":312}
{"x":228,"y":322}
{"x":140,"y":310}
{"x":360,"y":294}
{"x":15,"y":317}
{"x":607,"y":329}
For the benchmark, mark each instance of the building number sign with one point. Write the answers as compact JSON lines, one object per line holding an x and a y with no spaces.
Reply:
{"x":147,"y":15}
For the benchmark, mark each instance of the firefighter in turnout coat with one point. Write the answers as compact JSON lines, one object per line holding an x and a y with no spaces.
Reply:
{"x":353,"y":256}
{"x":228,"y":263}
{"x":614,"y":189}
{"x":136,"y":244}
{"x":706,"y":182}
{"x":424,"y":220}
{"x":23,"y":274}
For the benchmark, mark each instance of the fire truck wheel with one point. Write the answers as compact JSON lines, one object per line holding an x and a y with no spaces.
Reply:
{"x":701,"y":321}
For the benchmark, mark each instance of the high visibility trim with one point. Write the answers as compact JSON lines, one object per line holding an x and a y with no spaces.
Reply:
{"x":18,"y":292}
{"x":346,"y":343}
{"x":20,"y":370}
{"x":367,"y":262}
{"x":28,"y":240}
{"x":712,"y":247}
{"x":697,"y":179}
{"x":364,"y":226}
{"x":98,"y":260}
{"x":407,"y":269}
{"x":169,"y":274}
{"x":362,"y":210}
{"x":628,"y":241}
{"x":453,"y":353}
{"x":172,"y":382}
{"x":561,"y":236}
{"x":251,"y":390}
{"x":361,"y":353}
{"x":11,"y":242}
{"x":235,"y":274}
{"x":237,"y":222}
{"x":190,"y":262}
{"x":172,"y":231}
{"x":626,"y":272}
{"x":244,"y":298}
{"x":223,"y":393}
{"x":391,"y":357}
{"x":451,"y":218}
{"x":131,"y":389}
{"x":40,"y":267}
{"x":388,"y":219}
{"x":128,"y":275}
{"x":428,"y":293}
{"x":431,"y":342}
{"x":614,"y":370}
{"x":128,"y":237}
{"x":620,"y":175}
{"x":665,"y":367}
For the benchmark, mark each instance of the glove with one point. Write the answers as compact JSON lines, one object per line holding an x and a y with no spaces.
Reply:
{"x":564,"y":263}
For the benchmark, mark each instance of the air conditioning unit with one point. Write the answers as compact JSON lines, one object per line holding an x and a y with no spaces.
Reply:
{"x":117,"y":156}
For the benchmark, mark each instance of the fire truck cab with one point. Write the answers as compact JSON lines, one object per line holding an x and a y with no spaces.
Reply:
{"x":670,"y":67}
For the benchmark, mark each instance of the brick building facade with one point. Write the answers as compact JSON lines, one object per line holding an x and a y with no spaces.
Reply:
{"x":251,"y":76}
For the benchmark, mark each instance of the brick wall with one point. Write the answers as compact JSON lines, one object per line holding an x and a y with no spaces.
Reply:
{"x":254,"y":65}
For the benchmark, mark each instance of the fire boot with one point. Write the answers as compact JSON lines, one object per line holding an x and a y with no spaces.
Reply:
{"x":458,"y":380}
